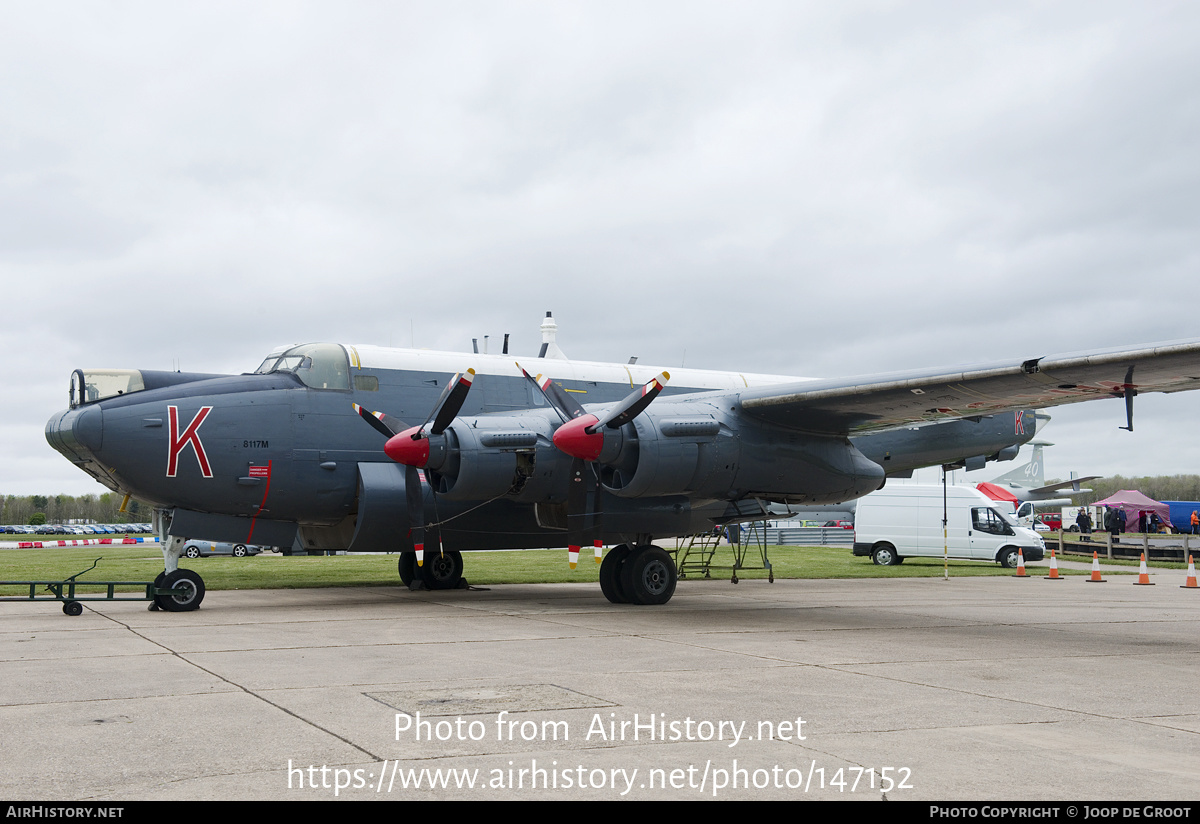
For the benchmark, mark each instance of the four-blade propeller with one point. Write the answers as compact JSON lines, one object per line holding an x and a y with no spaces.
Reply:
{"x":582,"y":437}
{"x":411,"y":448}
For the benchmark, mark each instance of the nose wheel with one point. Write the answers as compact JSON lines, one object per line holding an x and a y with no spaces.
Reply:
{"x":188,"y":591}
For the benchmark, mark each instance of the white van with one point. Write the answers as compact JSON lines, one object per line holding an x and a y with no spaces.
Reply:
{"x":905,"y":521}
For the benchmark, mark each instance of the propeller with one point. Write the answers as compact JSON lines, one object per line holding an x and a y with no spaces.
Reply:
{"x":581,"y":482}
{"x":582,"y":437}
{"x":411,"y":447}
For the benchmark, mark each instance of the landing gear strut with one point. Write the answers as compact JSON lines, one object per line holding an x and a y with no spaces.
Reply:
{"x":639,"y":575}
{"x":189,"y":585}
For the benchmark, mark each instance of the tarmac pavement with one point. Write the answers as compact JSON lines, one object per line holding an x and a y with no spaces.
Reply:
{"x":920,"y":689}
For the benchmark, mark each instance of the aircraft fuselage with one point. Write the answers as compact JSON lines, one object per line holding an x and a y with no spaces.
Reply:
{"x":253,"y":457}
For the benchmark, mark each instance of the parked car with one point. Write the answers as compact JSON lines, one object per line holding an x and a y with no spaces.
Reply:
{"x":1048,"y":522}
{"x":202,"y":549}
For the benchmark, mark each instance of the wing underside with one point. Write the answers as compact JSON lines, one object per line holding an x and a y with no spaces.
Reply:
{"x":888,"y":401}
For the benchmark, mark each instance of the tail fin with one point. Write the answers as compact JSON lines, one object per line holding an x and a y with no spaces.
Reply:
{"x":1031,"y":474}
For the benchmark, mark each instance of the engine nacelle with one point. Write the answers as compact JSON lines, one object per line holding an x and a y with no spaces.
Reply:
{"x":485,"y":457}
{"x":702,"y":450}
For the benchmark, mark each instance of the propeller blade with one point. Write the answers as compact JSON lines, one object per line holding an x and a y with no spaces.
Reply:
{"x":378,"y":420}
{"x":451,"y":402}
{"x":416,"y":510}
{"x":597,"y":513}
{"x":450,"y":384}
{"x":576,"y":510}
{"x":566,"y":406}
{"x":632,"y":406}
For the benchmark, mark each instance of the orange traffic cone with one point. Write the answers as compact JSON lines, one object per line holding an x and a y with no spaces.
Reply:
{"x":1143,"y":575}
{"x":1095,"y":577}
{"x":1020,"y":564}
{"x":599,"y":550}
{"x":1053,"y":576}
{"x":1191,"y":579}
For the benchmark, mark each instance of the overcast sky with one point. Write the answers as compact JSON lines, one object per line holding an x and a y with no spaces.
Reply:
{"x":819,"y":189}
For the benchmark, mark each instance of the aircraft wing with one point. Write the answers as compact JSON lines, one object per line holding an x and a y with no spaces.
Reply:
{"x":1042,"y":490}
{"x":856,"y":405}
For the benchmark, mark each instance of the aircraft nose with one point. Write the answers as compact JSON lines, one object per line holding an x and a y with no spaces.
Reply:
{"x":77,"y":432}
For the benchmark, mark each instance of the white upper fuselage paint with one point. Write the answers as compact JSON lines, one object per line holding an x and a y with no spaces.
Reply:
{"x":633,"y":375}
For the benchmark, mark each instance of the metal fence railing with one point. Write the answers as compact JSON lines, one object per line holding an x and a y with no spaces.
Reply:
{"x":809,"y":536}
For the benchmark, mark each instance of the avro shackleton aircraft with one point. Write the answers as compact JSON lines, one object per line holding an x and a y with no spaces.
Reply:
{"x":435,"y":453}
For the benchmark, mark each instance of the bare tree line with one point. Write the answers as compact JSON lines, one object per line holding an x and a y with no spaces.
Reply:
{"x":61,"y":509}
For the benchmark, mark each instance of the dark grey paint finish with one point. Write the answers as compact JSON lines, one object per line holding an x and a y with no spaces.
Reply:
{"x":684,"y":463}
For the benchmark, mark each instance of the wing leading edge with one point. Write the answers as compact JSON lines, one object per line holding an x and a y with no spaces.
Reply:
{"x":904,"y":398}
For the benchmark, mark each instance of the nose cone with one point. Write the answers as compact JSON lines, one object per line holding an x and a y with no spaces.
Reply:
{"x":572,"y":438}
{"x":77,"y":433}
{"x":404,"y":450}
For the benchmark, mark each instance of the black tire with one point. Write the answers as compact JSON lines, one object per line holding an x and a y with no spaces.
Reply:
{"x":648,"y":576}
{"x":884,"y":555}
{"x":1008,"y":557}
{"x":441,"y":570}
{"x":192,"y":552}
{"x":240,"y":551}
{"x":407,"y":567}
{"x":72,"y":608}
{"x":610,"y":574}
{"x":184,"y":579}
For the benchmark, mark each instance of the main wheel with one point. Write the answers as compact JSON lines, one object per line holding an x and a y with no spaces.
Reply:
{"x":192,"y":552}
{"x":885,"y":555}
{"x":610,"y":574}
{"x":192,"y":586}
{"x":407,"y":567}
{"x":441,"y":570}
{"x":239,"y":551}
{"x":649,"y":576}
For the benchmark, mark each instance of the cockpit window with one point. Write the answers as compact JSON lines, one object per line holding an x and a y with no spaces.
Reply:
{"x":317,"y":365}
{"x":89,"y":385}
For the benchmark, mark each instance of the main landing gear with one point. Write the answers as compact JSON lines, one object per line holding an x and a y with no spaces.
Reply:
{"x":642,"y":574}
{"x":638,"y":575}
{"x":441,"y":570}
